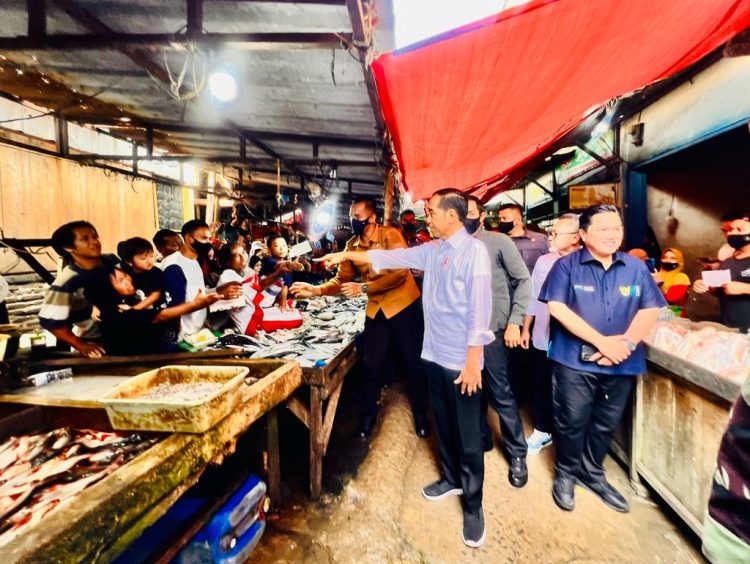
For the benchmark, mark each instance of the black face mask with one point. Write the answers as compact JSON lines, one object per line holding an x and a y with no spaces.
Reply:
{"x":471,"y":225}
{"x":202,"y":248}
{"x":738,"y":241}
{"x":358,"y":226}
{"x":669,"y":266}
{"x":408,"y":227}
{"x":506,"y":227}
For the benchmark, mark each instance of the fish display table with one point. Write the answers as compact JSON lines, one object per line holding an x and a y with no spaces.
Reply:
{"x":324,"y":347}
{"x":325,"y":383}
{"x":99,"y":522}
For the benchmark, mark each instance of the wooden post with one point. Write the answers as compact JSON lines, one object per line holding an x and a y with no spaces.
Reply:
{"x":61,"y":136}
{"x":37,"y":18}
{"x":388,"y":198}
{"x":272,"y":451}
{"x":636,"y":438}
{"x":316,"y":447}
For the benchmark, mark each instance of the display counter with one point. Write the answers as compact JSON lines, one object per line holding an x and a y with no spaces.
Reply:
{"x":101,"y":520}
{"x":670,"y":437}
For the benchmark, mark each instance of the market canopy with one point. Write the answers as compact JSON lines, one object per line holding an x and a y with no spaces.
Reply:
{"x":477,"y":105}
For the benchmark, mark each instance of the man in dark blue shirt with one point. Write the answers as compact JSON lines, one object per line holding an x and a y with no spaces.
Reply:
{"x":603,"y":302}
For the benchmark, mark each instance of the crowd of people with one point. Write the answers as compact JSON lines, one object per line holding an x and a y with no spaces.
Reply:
{"x":479,"y":318}
{"x":570,"y":311}
{"x":130,"y":304}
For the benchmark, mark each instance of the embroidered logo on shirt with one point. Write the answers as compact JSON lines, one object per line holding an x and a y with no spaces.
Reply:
{"x":582,"y":288}
{"x":630,"y":291}
{"x":745,"y":273}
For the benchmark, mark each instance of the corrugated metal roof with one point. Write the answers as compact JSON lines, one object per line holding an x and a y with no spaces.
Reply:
{"x":303,"y":94}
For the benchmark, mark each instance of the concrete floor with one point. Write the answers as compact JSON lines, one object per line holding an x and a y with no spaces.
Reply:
{"x":380,"y":516}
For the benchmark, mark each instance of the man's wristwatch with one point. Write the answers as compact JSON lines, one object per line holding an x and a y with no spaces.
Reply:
{"x":364,"y":288}
{"x":631,"y":345}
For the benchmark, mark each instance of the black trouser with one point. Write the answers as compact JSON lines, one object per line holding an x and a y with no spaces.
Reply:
{"x":458,"y":435}
{"x":541,"y":391}
{"x":518,"y":370}
{"x":497,"y":390}
{"x":406,"y":330}
{"x":587,"y":409}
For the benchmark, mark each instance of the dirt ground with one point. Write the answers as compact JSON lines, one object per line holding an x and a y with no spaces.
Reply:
{"x":380,"y":515}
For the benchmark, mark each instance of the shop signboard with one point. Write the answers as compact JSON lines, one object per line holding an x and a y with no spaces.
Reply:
{"x":581,"y":162}
{"x":583,"y":196}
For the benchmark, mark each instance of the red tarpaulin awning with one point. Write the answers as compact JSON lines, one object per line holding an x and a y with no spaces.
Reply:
{"x":481,"y":102}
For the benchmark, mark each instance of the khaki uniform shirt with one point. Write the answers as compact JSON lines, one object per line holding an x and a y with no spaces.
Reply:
{"x":391,"y":290}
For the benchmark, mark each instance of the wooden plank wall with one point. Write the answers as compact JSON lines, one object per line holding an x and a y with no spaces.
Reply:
{"x":681,"y":429}
{"x":39,"y":192}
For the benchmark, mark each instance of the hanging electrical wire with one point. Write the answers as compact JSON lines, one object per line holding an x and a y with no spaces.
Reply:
{"x":179,"y":89}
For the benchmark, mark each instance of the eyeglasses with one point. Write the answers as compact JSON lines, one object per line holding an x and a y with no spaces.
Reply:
{"x":554,"y":233}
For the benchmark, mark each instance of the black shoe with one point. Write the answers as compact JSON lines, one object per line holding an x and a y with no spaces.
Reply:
{"x":563,"y":492}
{"x":474,"y":532}
{"x":366,"y":428}
{"x":518,"y":474}
{"x":607,"y":492}
{"x":422,"y":426}
{"x":440,"y":490}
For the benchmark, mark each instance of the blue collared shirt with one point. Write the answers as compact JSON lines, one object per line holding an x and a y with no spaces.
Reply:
{"x":456,"y":294}
{"x":608,"y":300}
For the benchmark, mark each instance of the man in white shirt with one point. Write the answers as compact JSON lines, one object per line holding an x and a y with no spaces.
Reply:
{"x":457,"y":303}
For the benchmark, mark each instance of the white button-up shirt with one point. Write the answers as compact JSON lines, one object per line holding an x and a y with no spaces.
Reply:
{"x":456,"y":294}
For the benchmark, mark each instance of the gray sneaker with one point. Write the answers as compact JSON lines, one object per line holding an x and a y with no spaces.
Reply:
{"x":474,"y":532}
{"x":439,"y":490}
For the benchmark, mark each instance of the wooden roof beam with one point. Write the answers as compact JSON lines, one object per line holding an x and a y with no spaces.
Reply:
{"x":308,"y":2}
{"x":114,"y":40}
{"x":329,"y":140}
{"x":362,"y":40}
{"x":223,"y":159}
{"x":92,"y":23}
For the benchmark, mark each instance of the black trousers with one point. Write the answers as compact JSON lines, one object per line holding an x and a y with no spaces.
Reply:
{"x":541,"y":391}
{"x":405,"y":330}
{"x":458,"y":434}
{"x":497,"y":391}
{"x":587,"y":409}
{"x":519,"y":368}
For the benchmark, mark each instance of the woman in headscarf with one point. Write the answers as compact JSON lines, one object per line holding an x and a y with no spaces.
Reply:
{"x":673,"y":282}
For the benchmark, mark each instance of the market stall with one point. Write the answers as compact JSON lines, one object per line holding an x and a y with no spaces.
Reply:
{"x":98,"y":522}
{"x":325,"y":348}
{"x":680,"y":411}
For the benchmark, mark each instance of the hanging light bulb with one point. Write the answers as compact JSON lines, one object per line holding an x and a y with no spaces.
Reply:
{"x":223,"y":85}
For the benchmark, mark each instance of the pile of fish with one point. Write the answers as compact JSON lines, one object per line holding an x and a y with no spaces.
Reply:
{"x":38,"y":472}
{"x":330,"y":324}
{"x":182,"y":392}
